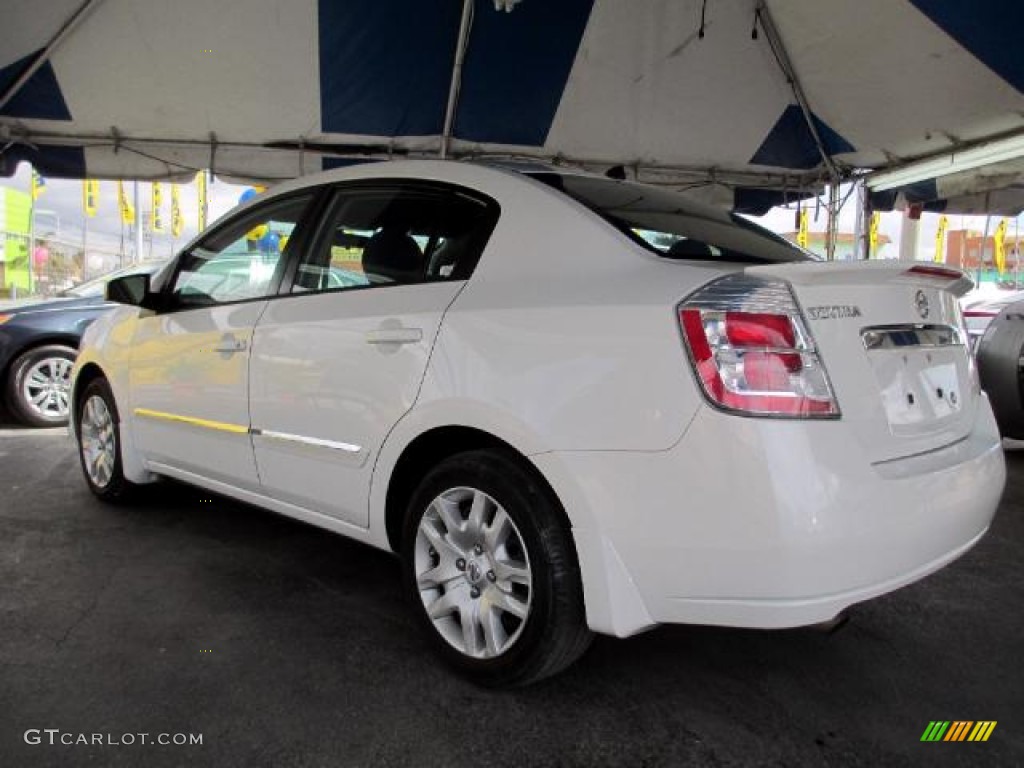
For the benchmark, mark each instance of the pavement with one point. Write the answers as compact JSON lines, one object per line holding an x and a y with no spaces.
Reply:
{"x":284,"y":645}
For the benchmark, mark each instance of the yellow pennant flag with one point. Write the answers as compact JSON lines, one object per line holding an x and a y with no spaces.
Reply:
{"x":802,"y":238}
{"x":38,"y":184}
{"x":999,"y":241}
{"x":201,"y":189}
{"x":90,"y":196}
{"x":873,"y":234}
{"x":156,"y":218}
{"x":177,"y":223}
{"x":940,"y":240}
{"x":127,"y":209}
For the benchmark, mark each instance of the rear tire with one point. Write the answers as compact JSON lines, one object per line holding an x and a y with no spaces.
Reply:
{"x":99,"y":443}
{"x":491,"y":571}
{"x":38,"y":387}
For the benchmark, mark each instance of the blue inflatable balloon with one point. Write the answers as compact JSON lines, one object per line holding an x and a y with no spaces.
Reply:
{"x":269,"y":243}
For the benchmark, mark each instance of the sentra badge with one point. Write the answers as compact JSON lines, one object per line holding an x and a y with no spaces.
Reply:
{"x":833,"y":312}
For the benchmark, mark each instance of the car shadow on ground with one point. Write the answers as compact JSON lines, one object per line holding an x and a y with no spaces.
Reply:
{"x":284,"y":643}
{"x":9,"y":424}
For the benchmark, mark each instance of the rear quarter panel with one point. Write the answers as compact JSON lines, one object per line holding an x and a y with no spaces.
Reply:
{"x":567,"y":331}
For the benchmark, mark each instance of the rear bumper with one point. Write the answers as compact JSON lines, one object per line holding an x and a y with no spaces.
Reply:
{"x":761,"y":523}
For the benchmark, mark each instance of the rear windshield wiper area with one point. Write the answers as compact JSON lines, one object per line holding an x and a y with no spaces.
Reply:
{"x":733,"y":258}
{"x":679,"y":248}
{"x":674,"y":226}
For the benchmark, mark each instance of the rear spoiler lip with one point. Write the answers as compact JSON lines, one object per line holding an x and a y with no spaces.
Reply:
{"x":922,"y":274}
{"x":956,"y":281}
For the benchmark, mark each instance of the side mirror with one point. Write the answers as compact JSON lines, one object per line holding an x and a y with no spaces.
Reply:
{"x":130,"y":289}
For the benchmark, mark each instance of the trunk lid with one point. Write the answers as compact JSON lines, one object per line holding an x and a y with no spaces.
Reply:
{"x":891,"y":337}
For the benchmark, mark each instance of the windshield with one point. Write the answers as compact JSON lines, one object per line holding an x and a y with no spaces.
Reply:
{"x":94,"y":289}
{"x":672,"y":225}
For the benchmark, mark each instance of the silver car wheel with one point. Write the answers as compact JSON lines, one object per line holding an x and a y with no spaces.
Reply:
{"x":473,"y":573}
{"x":99,"y":449}
{"x":46,"y":387}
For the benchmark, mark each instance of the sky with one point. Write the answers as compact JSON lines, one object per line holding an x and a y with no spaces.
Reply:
{"x":59,"y":211}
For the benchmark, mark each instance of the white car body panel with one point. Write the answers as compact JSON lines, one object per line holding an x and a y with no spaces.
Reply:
{"x":107,"y":344}
{"x":871,"y":386}
{"x":332,"y":373}
{"x":194,"y":365}
{"x":565,"y":344}
{"x":773,"y":544}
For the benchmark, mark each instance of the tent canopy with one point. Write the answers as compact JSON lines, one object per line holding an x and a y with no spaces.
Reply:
{"x":754,"y":100}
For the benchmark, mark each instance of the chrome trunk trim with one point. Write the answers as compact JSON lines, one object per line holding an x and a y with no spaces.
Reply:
{"x":911,"y":335}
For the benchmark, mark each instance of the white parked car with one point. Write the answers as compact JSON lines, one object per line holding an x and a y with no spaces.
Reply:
{"x":979,"y":314}
{"x":570,"y":404}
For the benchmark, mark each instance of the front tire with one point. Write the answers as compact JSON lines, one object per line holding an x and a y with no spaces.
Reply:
{"x":38,"y":387}
{"x":491,"y":571}
{"x":99,"y":443}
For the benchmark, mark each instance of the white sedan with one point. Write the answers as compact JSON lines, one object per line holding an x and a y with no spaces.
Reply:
{"x":980,"y":312}
{"x":571,"y":404}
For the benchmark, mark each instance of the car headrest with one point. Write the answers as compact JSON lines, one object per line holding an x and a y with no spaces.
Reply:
{"x":688,"y":249}
{"x":393,"y":255}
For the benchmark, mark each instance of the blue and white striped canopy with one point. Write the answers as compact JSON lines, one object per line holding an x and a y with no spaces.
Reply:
{"x":266,"y":89}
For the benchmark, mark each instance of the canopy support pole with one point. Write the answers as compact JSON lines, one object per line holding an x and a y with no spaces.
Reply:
{"x":984,"y":243}
{"x":865,"y":214}
{"x":786,"y":65}
{"x":138,"y":224}
{"x":456,"y":83}
{"x":833,"y":220}
{"x":45,"y":54}
{"x":85,"y":246}
{"x":910,"y":230}
{"x":32,"y":244}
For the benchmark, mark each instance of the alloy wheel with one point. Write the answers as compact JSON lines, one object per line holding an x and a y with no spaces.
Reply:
{"x":46,"y":387}
{"x":473,"y":572}
{"x":99,"y":449}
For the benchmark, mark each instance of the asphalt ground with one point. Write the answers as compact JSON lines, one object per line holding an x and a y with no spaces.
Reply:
{"x":285,"y":645}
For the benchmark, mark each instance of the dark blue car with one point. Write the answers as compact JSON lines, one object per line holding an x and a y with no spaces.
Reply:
{"x":38,"y":344}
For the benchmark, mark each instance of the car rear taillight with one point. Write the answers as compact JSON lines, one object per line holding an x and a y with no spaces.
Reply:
{"x":752,"y":351}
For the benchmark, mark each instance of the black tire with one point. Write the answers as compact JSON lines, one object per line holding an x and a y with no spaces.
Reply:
{"x":554,"y":632}
{"x":115,"y":488}
{"x":51,"y":360}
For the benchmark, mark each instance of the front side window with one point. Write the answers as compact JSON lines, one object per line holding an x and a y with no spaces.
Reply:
{"x":388,"y":235}
{"x":242,"y":260}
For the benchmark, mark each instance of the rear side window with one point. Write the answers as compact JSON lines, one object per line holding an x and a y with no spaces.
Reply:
{"x":672,"y":226}
{"x":388,"y":234}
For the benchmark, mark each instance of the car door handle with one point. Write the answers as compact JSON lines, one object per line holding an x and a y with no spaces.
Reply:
{"x":228,"y":345}
{"x":394,"y":336}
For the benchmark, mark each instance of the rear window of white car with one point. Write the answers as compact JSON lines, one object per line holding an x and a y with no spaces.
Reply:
{"x":673,"y":226}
